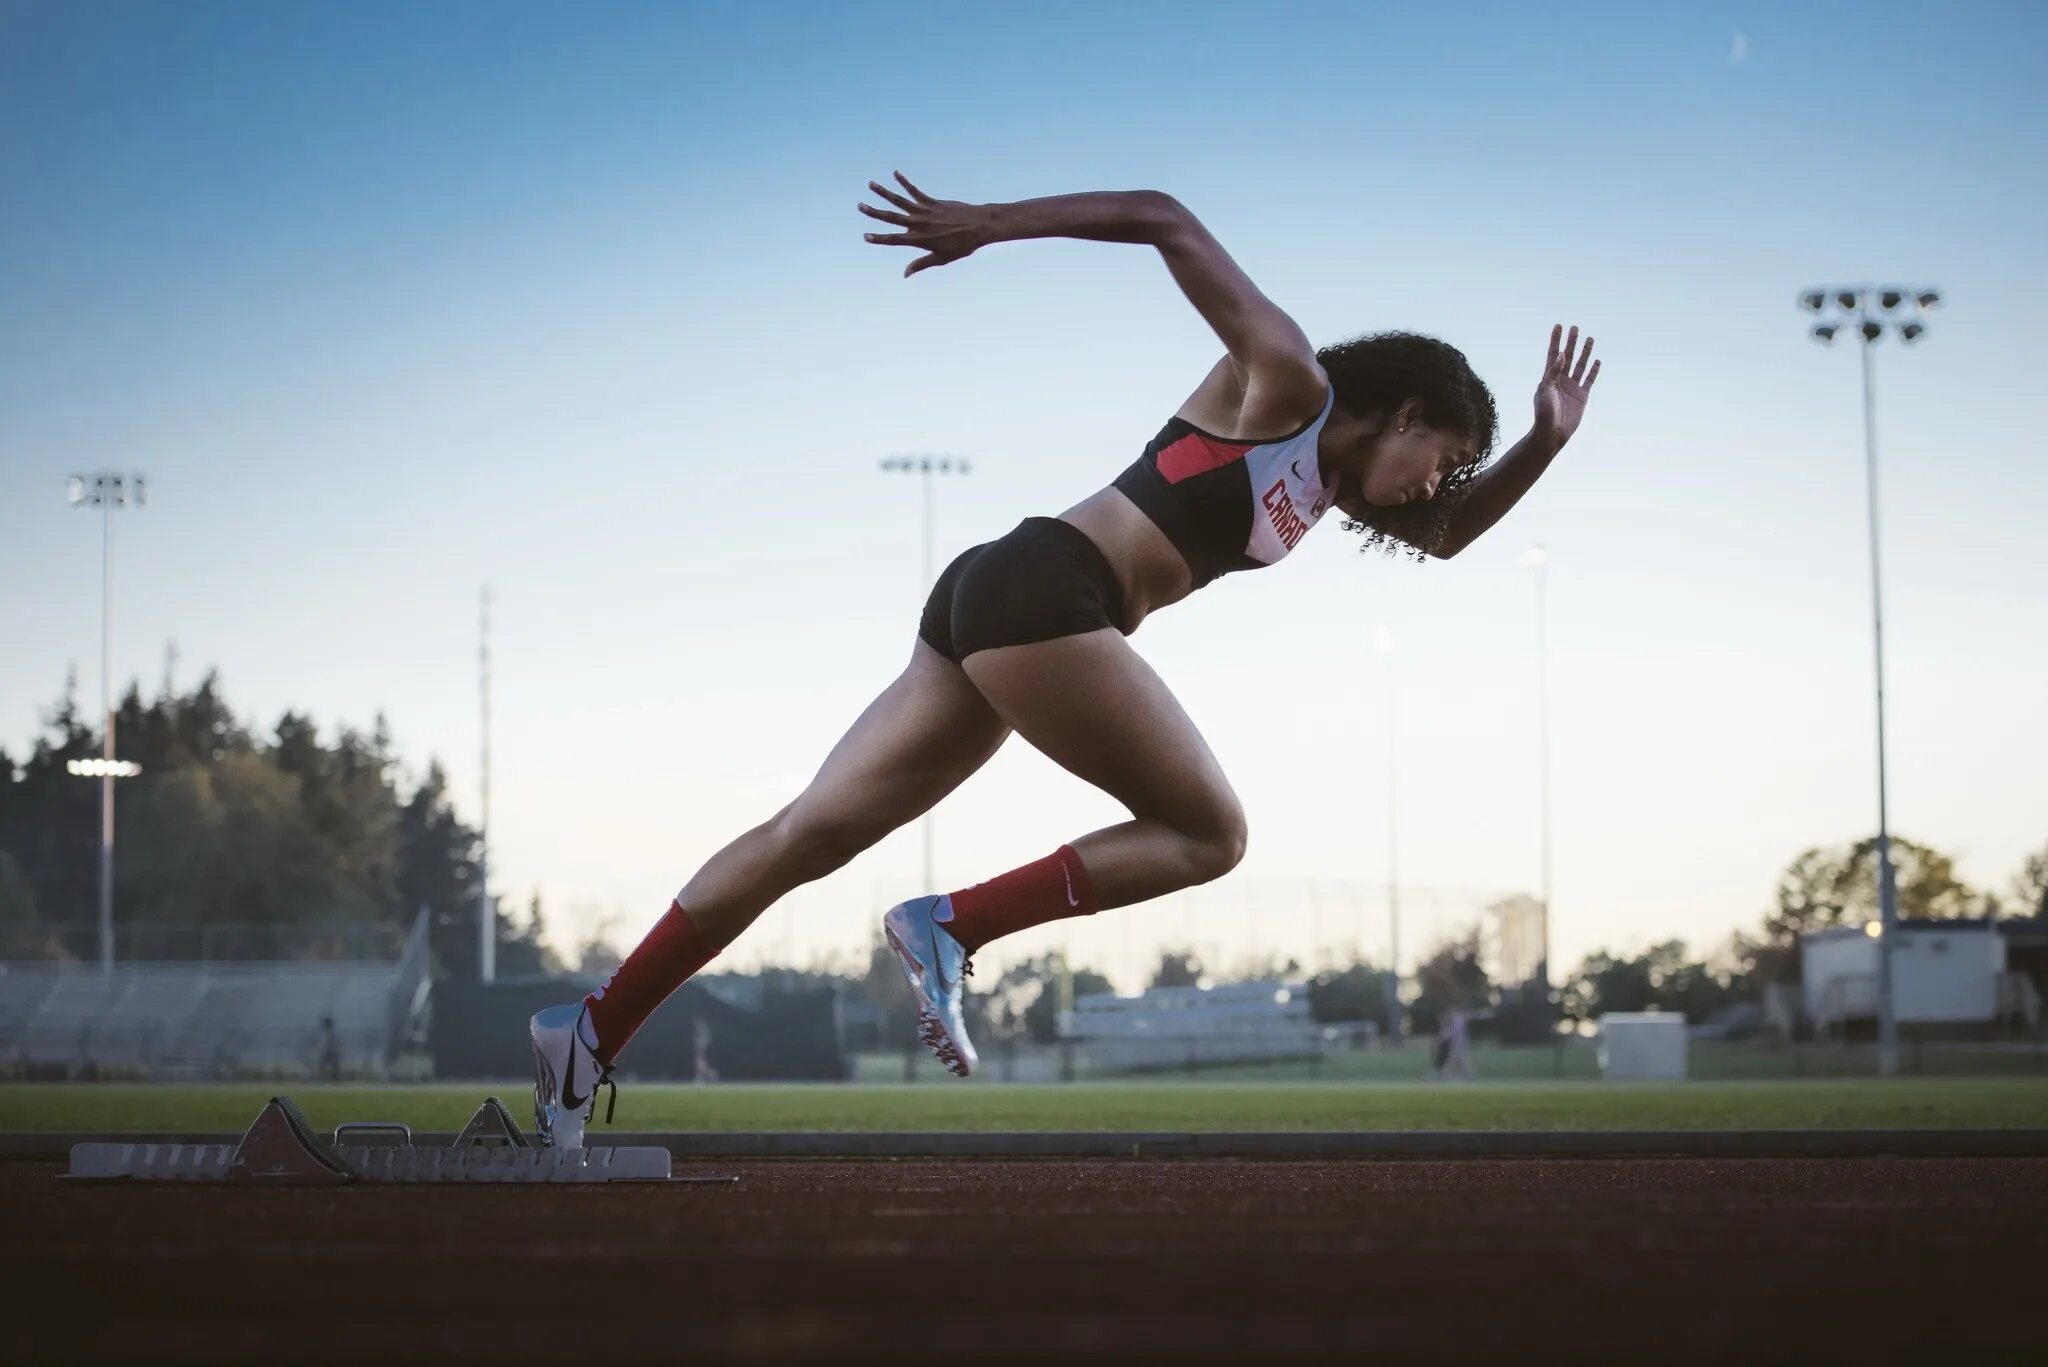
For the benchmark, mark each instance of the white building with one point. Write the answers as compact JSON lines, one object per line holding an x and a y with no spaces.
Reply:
{"x":1643,"y":1046}
{"x":1943,"y":973}
{"x":1170,"y":1027}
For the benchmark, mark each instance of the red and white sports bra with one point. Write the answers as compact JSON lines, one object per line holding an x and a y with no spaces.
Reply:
{"x":1231,"y":505}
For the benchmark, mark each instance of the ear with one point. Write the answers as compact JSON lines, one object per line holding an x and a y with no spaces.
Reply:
{"x":1408,"y":415}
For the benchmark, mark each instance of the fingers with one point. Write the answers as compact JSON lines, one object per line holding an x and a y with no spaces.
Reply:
{"x":885,"y":215}
{"x":887,"y":239}
{"x":1570,"y":362}
{"x":886,"y":193}
{"x":1593,"y":375}
{"x":912,"y":218}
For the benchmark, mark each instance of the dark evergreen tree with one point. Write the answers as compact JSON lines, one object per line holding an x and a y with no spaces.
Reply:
{"x":1182,"y":968}
{"x":438,"y":869}
{"x":1355,"y":993}
{"x":234,"y":845}
{"x":1451,"y":978}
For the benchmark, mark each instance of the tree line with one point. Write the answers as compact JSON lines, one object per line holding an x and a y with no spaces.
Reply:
{"x":283,"y":837}
{"x":258,"y":844}
{"x":1824,"y":886}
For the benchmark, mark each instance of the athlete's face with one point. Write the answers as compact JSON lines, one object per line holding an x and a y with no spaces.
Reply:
{"x":1407,"y":460}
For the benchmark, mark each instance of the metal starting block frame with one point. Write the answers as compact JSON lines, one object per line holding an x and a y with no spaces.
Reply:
{"x":280,"y":1147}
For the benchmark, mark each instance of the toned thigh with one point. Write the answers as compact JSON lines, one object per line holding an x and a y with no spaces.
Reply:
{"x":1094,"y":707}
{"x":918,"y":740}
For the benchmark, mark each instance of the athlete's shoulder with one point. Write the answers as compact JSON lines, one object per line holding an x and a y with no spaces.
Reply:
{"x":1272,"y":405}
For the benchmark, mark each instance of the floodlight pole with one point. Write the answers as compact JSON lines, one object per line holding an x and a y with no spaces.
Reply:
{"x":1538,"y":562}
{"x":1393,"y":833}
{"x":1887,"y":877}
{"x":926,"y":467}
{"x":1383,"y":642}
{"x":487,"y":921}
{"x":106,"y":490}
{"x":1898,"y":307}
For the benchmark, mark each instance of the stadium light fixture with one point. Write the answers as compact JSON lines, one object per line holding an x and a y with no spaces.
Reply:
{"x":103,"y":768}
{"x":1812,"y":300}
{"x":106,"y":489}
{"x":1854,"y":311}
{"x":922,"y":465}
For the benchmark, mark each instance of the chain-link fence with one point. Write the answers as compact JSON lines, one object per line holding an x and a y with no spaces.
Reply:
{"x":1414,"y":1060}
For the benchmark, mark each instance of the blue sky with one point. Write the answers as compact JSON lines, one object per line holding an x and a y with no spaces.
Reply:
{"x":389,"y":301}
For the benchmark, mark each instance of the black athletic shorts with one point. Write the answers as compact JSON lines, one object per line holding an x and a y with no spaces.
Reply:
{"x":1044,"y":580}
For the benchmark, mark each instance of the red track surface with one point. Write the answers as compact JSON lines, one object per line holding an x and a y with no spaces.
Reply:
{"x":1048,"y":1261}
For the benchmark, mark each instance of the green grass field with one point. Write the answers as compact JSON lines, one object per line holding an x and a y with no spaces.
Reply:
{"x":1576,"y":1060}
{"x":1906,"y":1102}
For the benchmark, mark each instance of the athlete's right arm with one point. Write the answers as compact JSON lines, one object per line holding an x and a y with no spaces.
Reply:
{"x":1268,"y":349}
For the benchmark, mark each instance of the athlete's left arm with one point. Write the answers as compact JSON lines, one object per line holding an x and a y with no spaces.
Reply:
{"x":1560,"y":404}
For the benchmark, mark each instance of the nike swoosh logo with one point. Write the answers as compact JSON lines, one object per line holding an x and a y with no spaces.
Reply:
{"x":1072,"y":900}
{"x":569,"y":1097}
{"x":938,"y":959}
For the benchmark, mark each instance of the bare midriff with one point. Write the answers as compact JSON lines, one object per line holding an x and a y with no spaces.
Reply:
{"x":1151,"y":573}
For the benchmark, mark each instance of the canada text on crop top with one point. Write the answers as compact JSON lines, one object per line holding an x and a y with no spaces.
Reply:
{"x":1230,"y":505}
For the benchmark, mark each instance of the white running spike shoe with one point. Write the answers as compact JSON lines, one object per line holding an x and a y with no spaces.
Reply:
{"x":566,"y":1076}
{"x":937,"y":968}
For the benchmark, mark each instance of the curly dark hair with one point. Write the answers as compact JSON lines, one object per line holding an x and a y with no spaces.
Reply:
{"x":1380,"y":372}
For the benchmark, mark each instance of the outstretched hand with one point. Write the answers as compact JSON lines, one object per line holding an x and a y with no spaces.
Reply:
{"x":1561,"y":394}
{"x":945,"y":229}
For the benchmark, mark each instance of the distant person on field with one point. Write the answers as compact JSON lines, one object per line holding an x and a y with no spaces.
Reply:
{"x":330,"y":1051}
{"x":1452,"y":1056}
{"x":1454,"y":1050}
{"x":701,"y":1069}
{"x":1026,"y":633}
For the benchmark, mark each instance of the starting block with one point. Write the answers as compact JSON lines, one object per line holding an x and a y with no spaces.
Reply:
{"x":281,"y":1147}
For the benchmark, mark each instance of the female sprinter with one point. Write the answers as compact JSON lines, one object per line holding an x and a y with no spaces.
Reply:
{"x":1026,"y":633}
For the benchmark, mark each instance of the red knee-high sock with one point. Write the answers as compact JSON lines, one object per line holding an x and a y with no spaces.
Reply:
{"x":670,"y":955}
{"x":1045,"y":890}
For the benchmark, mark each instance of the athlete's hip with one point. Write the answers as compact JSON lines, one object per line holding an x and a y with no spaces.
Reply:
{"x":1044,"y":580}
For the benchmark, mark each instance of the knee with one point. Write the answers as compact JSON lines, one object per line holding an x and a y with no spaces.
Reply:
{"x":814,"y":844}
{"x":1220,"y":848}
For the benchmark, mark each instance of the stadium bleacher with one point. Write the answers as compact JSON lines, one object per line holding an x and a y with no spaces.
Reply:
{"x":1178,"y":1026}
{"x":22,"y":992}
{"x":208,"y":1020}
